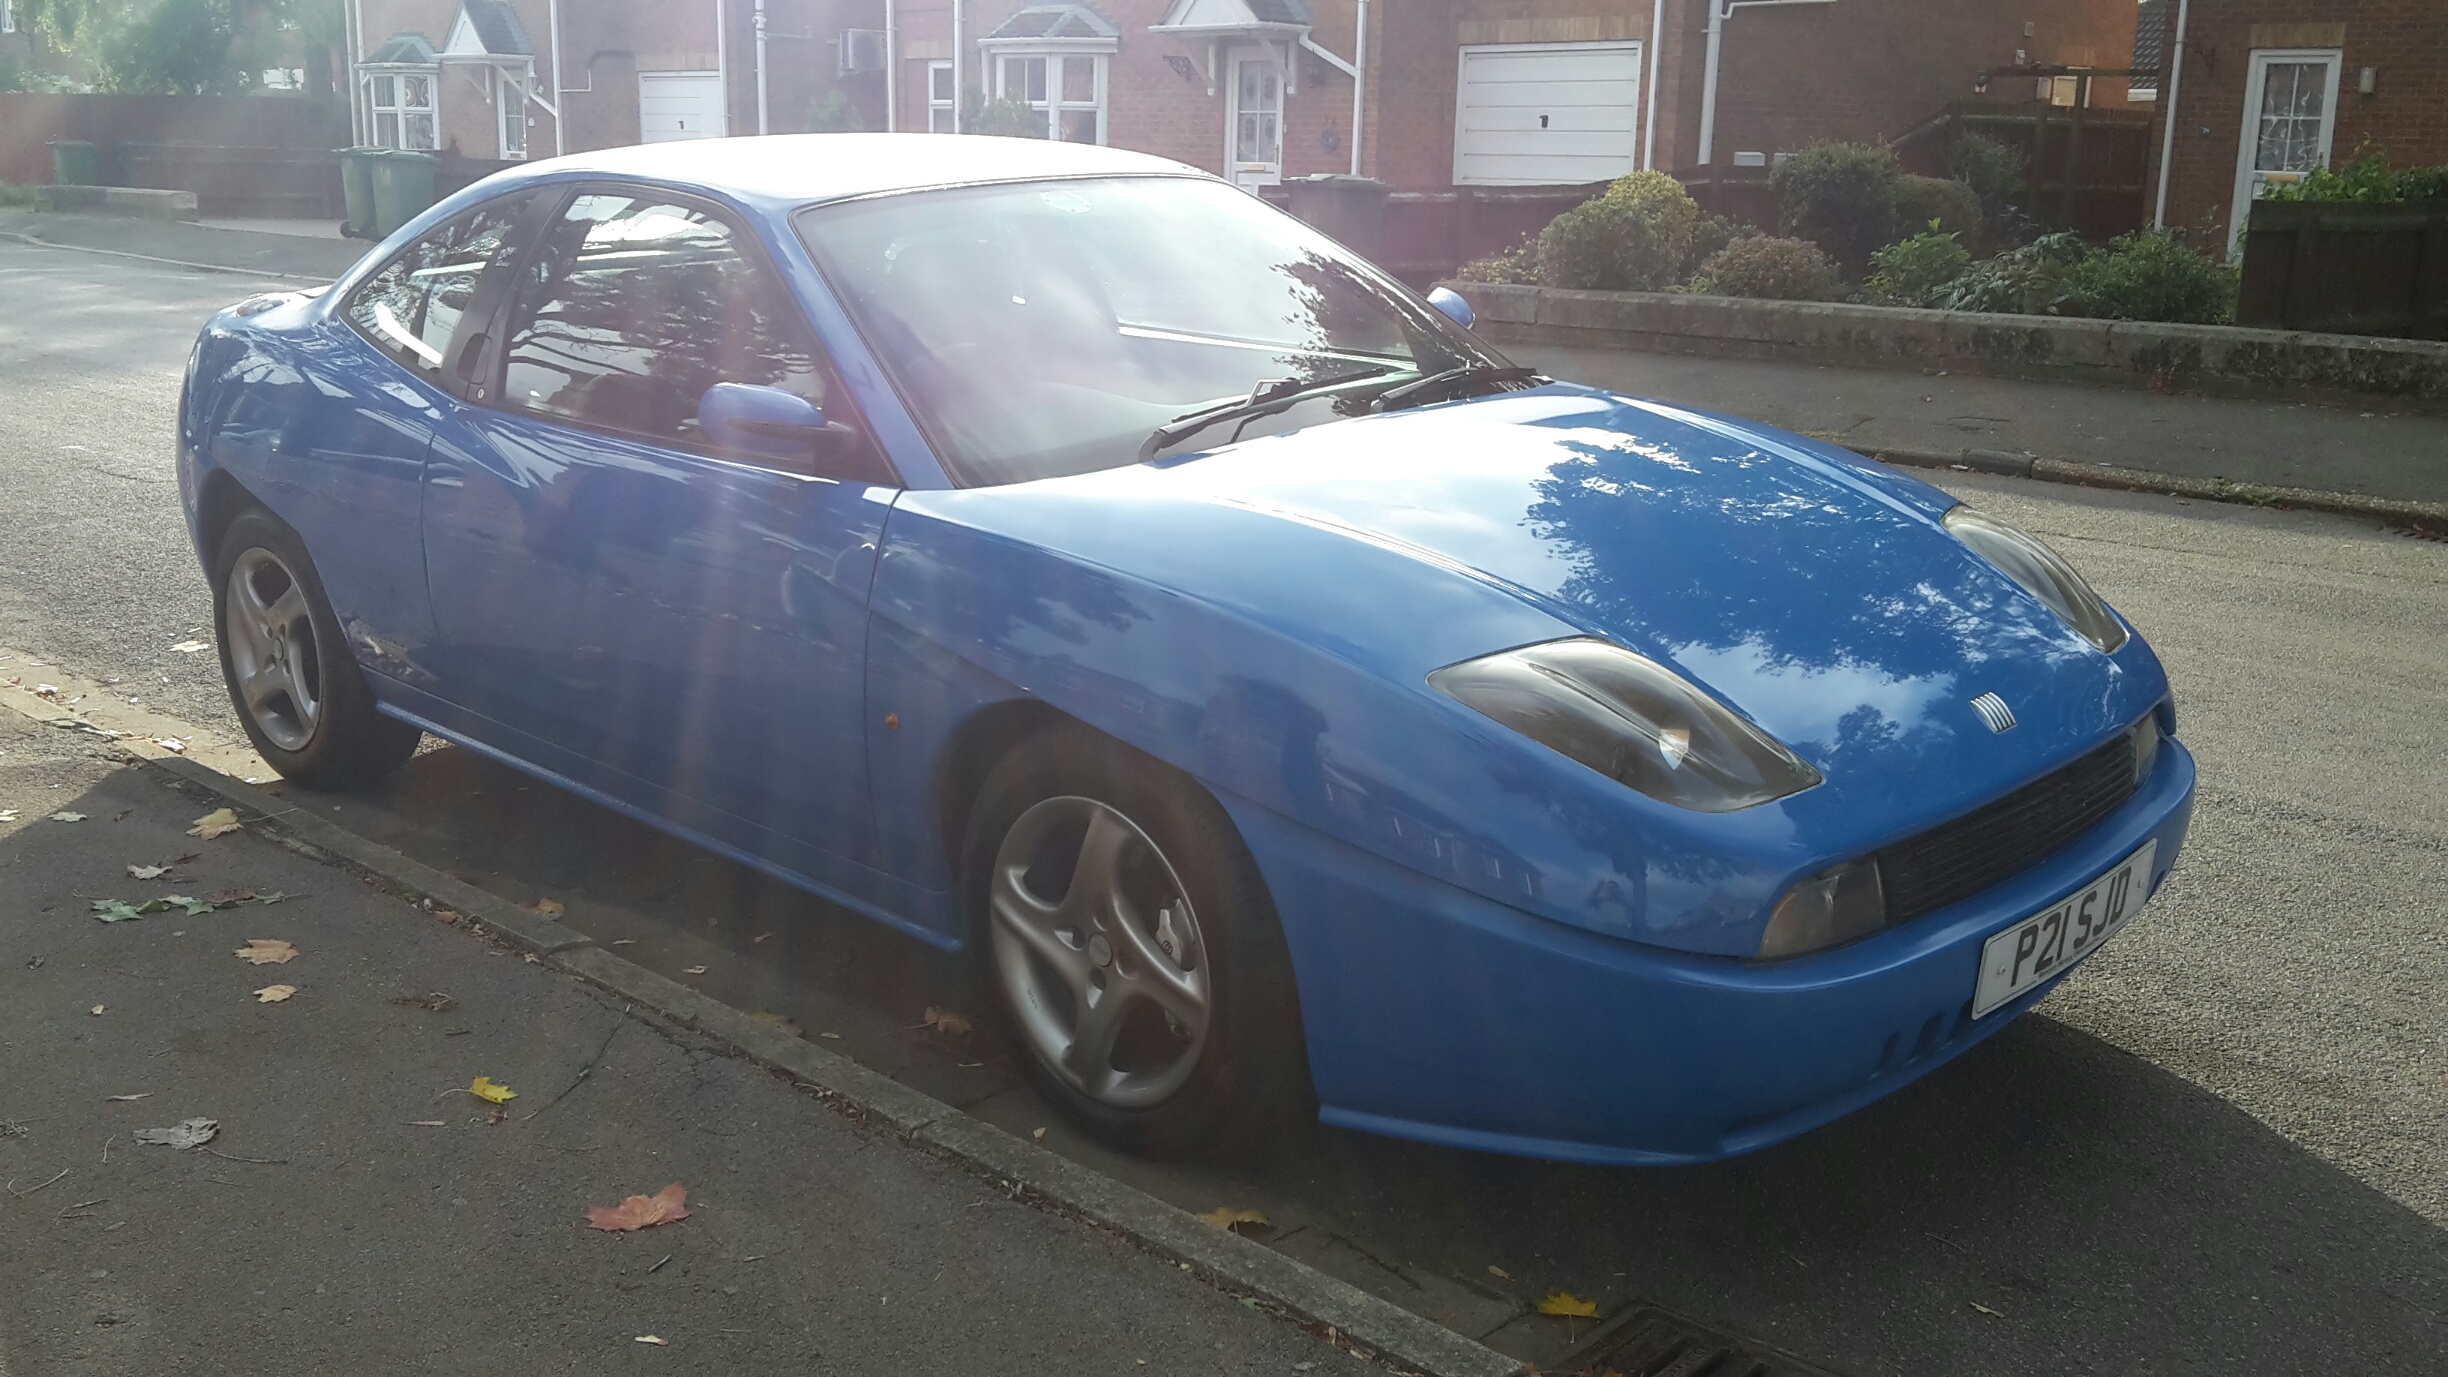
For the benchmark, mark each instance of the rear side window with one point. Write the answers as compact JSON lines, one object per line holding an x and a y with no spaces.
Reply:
{"x":634,"y":306}
{"x":410,"y":308}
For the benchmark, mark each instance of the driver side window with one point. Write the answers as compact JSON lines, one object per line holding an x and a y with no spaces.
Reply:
{"x":410,"y":308}
{"x":634,"y":307}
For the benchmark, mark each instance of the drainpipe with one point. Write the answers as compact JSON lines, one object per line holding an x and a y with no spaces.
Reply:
{"x":2167,"y":112}
{"x":892,"y":71}
{"x":760,"y":64}
{"x":354,"y":25}
{"x":552,"y":21}
{"x":960,"y":93}
{"x":722,"y":64}
{"x":1719,"y":12}
{"x":1657,"y":31}
{"x":1359,"y":80}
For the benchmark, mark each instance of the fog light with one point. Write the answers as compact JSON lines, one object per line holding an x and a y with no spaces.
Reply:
{"x":2145,"y":746}
{"x":1831,"y":907}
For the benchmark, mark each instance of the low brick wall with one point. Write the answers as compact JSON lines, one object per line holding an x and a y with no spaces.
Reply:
{"x":2348,"y":370}
{"x":142,"y":202}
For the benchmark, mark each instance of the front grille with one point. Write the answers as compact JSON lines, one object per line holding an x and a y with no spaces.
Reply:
{"x":1958,"y":859}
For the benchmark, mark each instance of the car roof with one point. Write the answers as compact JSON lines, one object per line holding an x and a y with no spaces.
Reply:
{"x":802,"y":168}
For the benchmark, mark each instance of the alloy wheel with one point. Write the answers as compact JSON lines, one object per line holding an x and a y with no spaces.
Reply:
{"x":272,"y":655}
{"x":1099,"y":953}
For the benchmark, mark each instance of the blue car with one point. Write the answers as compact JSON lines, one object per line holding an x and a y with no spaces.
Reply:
{"x":1293,"y":707}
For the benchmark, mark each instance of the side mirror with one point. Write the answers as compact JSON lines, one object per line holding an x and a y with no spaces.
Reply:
{"x":768,"y":423}
{"x":1449,"y":301}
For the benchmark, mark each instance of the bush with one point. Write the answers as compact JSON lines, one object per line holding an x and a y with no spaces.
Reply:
{"x":1006,"y":117}
{"x":2366,"y":177}
{"x":1953,"y":205}
{"x":1714,"y":232}
{"x":1637,"y":237}
{"x":2025,"y":281}
{"x":1911,"y":272}
{"x":1993,"y":170}
{"x":1517,"y":266}
{"x":2149,"y":275}
{"x":1840,"y":196}
{"x":1770,"y":269}
{"x":835,"y":115}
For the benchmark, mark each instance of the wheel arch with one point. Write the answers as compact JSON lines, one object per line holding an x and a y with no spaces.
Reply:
{"x":223,"y":497}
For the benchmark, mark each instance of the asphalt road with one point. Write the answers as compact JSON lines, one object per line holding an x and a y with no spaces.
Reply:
{"x":2221,"y":1148}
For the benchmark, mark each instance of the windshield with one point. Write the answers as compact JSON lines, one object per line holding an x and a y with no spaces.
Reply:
{"x":1046,"y":328}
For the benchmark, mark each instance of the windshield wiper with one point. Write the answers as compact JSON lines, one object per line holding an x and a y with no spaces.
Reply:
{"x":1266,"y":399}
{"x":1450,"y":383}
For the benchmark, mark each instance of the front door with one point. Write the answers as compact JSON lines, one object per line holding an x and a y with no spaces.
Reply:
{"x":1253,"y":118}
{"x":2290,"y":111}
{"x":620,"y":602}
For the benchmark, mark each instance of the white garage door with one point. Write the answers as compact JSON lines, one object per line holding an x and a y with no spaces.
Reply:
{"x":680,"y":105}
{"x":1533,"y":114}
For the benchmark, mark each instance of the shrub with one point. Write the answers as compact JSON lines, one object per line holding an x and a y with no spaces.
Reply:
{"x":2366,"y":177}
{"x":1517,"y":265}
{"x":1768,"y":268}
{"x":2149,"y":275}
{"x":1953,"y":205}
{"x":1007,"y":117}
{"x":2028,"y":281}
{"x":1993,"y":170}
{"x":835,"y":115}
{"x":1636,"y":237}
{"x":1840,"y":196}
{"x":1714,"y":232}
{"x":1910,"y":272}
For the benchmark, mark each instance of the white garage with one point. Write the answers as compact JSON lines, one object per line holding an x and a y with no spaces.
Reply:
{"x":1540,"y":114}
{"x":680,"y":105}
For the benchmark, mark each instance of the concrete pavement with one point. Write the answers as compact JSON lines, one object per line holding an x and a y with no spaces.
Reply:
{"x":360,"y":1211}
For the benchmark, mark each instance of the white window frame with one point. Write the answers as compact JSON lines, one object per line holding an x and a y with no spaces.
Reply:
{"x":939,"y":112}
{"x":1010,"y":57}
{"x":399,"y":111}
{"x":510,"y":91}
{"x":8,"y":16}
{"x":2248,"y":141}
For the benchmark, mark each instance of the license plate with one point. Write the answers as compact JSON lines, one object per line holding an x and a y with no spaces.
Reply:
{"x":2043,"y":946}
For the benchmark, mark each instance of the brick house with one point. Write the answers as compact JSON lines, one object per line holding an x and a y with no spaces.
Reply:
{"x":476,"y":76}
{"x":2266,"y":90}
{"x":1484,"y":92}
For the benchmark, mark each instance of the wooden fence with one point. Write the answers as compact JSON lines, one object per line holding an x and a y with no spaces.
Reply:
{"x":2352,"y":268}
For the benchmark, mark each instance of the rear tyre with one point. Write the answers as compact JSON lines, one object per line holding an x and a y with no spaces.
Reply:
{"x":288,"y":667}
{"x":1133,"y":950}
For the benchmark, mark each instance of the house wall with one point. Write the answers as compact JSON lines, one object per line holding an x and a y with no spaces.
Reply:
{"x":2405,"y":42}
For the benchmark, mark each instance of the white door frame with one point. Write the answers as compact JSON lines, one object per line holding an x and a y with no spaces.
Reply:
{"x":2248,"y":140}
{"x":1233,"y":58}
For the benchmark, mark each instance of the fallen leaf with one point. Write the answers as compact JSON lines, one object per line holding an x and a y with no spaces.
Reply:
{"x":946,"y":1022}
{"x":447,"y":915}
{"x":1987,"y":1311}
{"x":484,"y":1089}
{"x":190,"y":647}
{"x":266,"y":951}
{"x":1230,"y":1220}
{"x":274,"y":994}
{"x":1038,"y":1134}
{"x":171,"y":744}
{"x":65,"y":816}
{"x":218,"y":822}
{"x":773,"y":1020}
{"x":666,"y":1206}
{"x":692,"y":970}
{"x":185,"y":1134}
{"x":432,"y":1001}
{"x":656,"y":1339}
{"x":196,"y":908}
{"x":275,"y":896}
{"x":121,"y":911}
{"x":1499,"y":1273}
{"x":229,"y":898}
{"x":1567,"y":1304}
{"x":98,"y":1008}
{"x":147,"y":872}
{"x":550,"y":908}
{"x":123,"y":1099}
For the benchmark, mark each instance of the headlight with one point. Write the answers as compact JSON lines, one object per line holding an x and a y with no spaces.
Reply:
{"x":1632,"y":720}
{"x":2042,"y":571}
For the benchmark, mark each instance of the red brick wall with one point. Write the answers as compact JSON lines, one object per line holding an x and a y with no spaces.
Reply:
{"x":2404,"y":41}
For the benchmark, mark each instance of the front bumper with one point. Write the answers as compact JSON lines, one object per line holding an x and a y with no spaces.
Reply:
{"x":1435,"y":1014}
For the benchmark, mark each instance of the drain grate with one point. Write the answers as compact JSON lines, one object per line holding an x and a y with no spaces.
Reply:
{"x":1645,"y":1341}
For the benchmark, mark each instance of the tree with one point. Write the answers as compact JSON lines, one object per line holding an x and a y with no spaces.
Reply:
{"x":188,"y":47}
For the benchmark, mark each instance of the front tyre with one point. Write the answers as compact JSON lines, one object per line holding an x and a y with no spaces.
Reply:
{"x":1134,"y":950}
{"x":290,"y":675}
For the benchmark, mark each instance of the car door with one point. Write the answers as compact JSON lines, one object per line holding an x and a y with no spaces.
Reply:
{"x":617,"y":599}
{"x":373,"y":390}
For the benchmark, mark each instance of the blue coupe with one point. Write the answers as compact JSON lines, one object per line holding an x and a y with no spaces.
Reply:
{"x":1295,"y":708}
